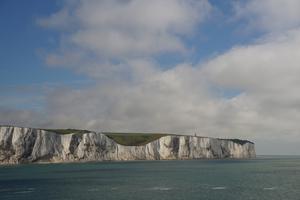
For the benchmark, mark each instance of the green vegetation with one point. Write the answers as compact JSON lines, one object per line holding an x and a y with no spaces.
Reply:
{"x":67,"y":131}
{"x":131,"y":139}
{"x":241,"y":142}
{"x":134,"y":139}
{"x":127,"y":139}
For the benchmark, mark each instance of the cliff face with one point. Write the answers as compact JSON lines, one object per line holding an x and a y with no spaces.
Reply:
{"x":26,"y":145}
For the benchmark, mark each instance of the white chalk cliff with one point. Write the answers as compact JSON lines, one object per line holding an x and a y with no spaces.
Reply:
{"x":27,"y":145}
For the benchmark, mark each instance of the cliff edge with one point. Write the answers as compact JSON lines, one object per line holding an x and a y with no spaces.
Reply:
{"x":28,"y":145}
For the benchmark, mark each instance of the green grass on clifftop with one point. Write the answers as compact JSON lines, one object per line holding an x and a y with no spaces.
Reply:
{"x":131,"y":139}
{"x":67,"y":131}
{"x":127,"y":139}
{"x":134,"y":139}
{"x":238,"y":141}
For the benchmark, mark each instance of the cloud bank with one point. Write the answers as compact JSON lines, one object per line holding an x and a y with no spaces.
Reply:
{"x":97,"y":35}
{"x":117,"y":44}
{"x":269,"y":15}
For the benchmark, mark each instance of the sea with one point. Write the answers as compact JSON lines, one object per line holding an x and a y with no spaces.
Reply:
{"x":266,"y":177}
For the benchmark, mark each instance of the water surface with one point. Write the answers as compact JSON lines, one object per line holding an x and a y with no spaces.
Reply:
{"x":269,"y":178}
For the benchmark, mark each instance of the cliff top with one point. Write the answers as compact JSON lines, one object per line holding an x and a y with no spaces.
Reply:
{"x":134,"y":139}
{"x":129,"y":139}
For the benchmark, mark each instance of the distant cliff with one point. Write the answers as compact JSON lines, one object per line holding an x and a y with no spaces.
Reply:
{"x":27,"y":145}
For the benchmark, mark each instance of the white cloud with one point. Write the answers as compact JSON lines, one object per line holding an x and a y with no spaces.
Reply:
{"x":115,"y":43}
{"x":114,"y":30}
{"x":18,"y":117}
{"x":270,"y":15}
{"x":269,"y":65}
{"x":267,"y":74}
{"x":174,"y":100}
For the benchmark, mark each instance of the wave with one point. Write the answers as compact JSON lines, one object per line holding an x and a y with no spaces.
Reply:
{"x":28,"y":190}
{"x":269,"y":188}
{"x":218,"y":188}
{"x":161,"y":188}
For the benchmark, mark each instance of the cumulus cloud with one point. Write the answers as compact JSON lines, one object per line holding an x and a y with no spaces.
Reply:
{"x":269,"y":65}
{"x":162,"y":101}
{"x":269,"y":15}
{"x":266,"y":73}
{"x":116,"y":43}
{"x":107,"y":32}
{"x":181,"y":99}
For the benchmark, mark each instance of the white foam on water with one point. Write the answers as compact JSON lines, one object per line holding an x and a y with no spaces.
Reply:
{"x":28,"y":190}
{"x":161,"y":188}
{"x":269,"y":188}
{"x":218,"y":188}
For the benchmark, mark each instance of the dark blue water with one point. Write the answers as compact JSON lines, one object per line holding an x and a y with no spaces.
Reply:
{"x":262,"y":178}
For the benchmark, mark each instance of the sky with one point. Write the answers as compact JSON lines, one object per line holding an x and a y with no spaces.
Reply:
{"x":226,"y":69}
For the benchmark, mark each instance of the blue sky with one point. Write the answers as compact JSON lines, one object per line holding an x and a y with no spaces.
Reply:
{"x":24,"y":42}
{"x":222,"y":68}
